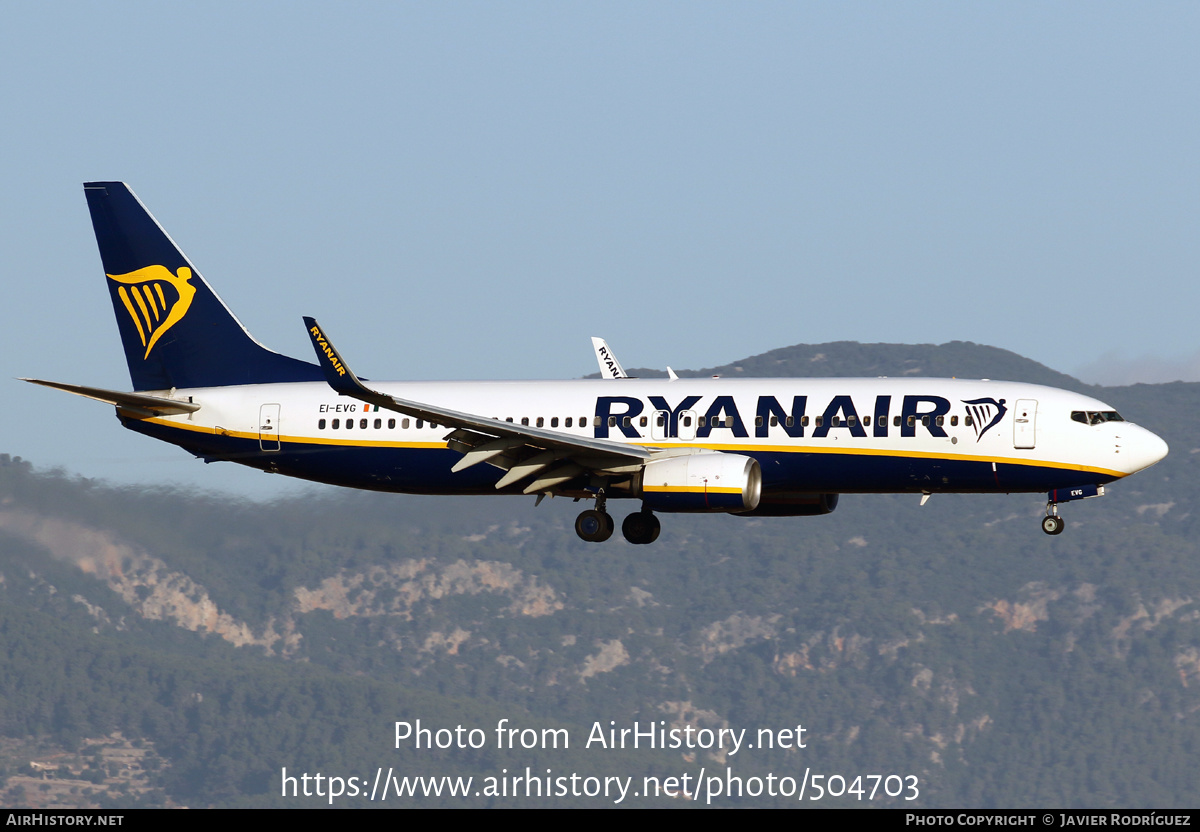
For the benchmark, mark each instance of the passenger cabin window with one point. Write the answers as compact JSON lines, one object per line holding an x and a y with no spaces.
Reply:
{"x":337,"y":423}
{"x":404,"y":424}
{"x":953,"y":421}
{"x":643,"y":421}
{"x":391,"y":424}
{"x":968,"y":421}
{"x":362,"y":423}
{"x":789,"y":421}
{"x":569,"y":422}
{"x":525,"y":421}
{"x":320,"y":424}
{"x":553,"y":421}
{"x":541,"y":422}
{"x":378,"y":424}
{"x":420,"y":424}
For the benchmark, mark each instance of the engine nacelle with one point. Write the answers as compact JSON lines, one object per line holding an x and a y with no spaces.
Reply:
{"x":794,"y":504}
{"x":700,"y":482}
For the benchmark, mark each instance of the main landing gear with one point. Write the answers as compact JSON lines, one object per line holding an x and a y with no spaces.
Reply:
{"x":596,"y":525}
{"x":641,"y":527}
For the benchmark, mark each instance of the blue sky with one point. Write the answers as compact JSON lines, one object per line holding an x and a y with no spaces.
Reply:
{"x":472,"y":190}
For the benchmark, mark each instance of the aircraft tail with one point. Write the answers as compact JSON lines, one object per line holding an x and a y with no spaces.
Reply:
{"x":175,"y":330}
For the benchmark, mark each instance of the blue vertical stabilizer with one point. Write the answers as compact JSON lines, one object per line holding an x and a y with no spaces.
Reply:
{"x":175,"y":330}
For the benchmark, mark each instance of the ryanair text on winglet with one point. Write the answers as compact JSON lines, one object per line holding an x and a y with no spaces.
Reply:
{"x":328,"y":350}
{"x":608,"y":362}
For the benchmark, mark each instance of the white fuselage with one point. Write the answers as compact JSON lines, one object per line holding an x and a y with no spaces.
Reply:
{"x":809,"y":435}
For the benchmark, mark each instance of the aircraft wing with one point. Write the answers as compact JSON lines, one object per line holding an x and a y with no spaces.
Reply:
{"x":550,"y":458}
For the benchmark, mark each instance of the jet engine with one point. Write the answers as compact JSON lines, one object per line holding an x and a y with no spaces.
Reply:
{"x":793,"y":504}
{"x":700,"y":482}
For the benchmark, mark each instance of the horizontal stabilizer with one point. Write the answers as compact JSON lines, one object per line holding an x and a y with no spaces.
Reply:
{"x":137,"y":404}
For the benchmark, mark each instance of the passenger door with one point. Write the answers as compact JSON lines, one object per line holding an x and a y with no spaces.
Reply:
{"x":268,"y":427}
{"x":1025,"y":424}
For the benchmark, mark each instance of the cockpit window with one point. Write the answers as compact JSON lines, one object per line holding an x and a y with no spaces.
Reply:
{"x":1095,"y":417}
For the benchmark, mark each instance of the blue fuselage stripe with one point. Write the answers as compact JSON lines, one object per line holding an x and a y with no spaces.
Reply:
{"x":427,"y":470}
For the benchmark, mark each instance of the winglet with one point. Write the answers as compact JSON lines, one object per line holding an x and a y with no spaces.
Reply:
{"x":340,"y":377}
{"x":609,"y":366}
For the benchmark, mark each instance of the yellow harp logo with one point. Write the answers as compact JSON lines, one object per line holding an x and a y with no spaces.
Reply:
{"x":155,"y":299}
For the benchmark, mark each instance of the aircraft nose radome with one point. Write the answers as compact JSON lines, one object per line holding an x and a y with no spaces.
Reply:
{"x":1144,"y":449}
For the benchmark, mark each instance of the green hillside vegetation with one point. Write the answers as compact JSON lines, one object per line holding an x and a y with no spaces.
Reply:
{"x":956,"y":359}
{"x":953,"y":642}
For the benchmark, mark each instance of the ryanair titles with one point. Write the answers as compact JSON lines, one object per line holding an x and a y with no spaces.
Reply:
{"x":609,"y":362}
{"x":692,"y":417}
{"x":330,"y":353}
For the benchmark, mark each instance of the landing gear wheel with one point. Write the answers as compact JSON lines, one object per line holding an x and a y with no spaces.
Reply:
{"x":641,"y":527}
{"x":594,"y":526}
{"x":1053,"y":524}
{"x":657,"y":527}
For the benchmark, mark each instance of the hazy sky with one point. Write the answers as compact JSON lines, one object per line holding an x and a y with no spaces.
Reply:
{"x":471,"y":190}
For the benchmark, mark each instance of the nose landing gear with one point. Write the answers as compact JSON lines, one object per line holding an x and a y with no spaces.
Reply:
{"x":1052,"y":523}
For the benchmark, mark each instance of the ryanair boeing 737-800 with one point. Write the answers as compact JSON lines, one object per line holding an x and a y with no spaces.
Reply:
{"x":752,"y":447}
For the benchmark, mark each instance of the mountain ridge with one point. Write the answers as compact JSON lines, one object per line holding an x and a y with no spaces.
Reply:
{"x":961,"y":359}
